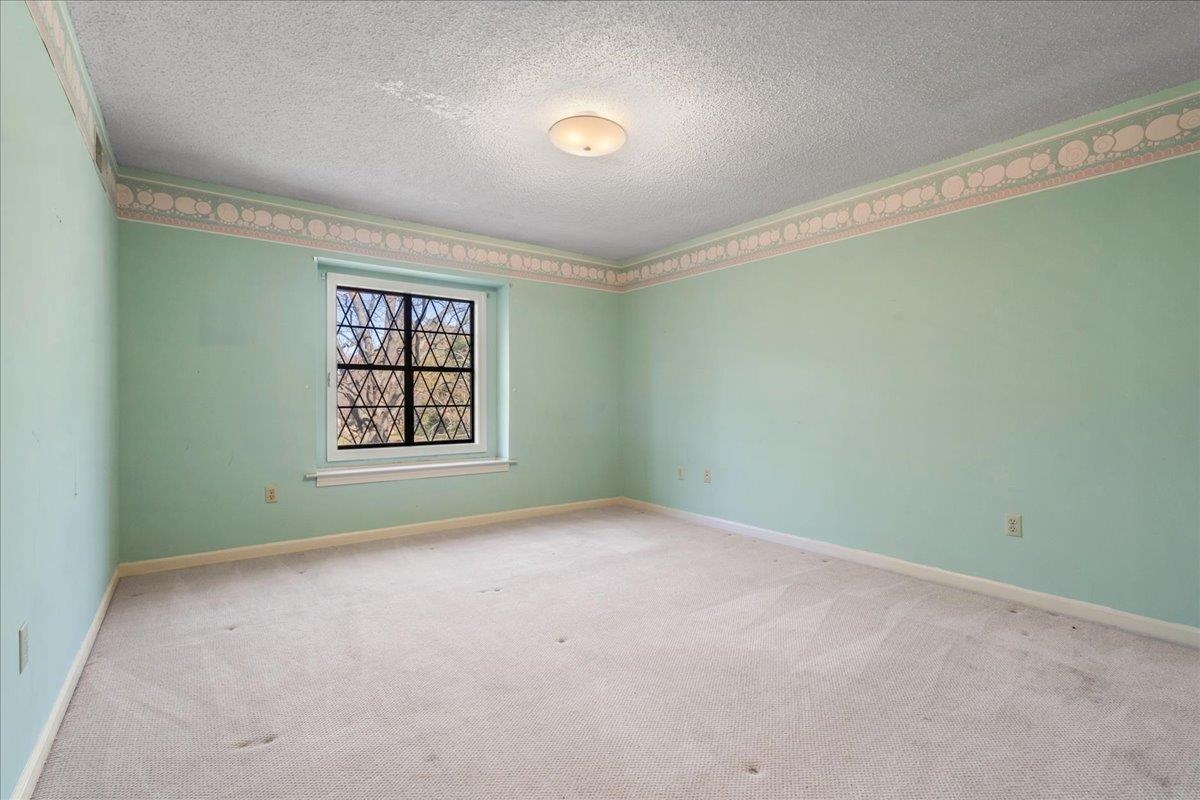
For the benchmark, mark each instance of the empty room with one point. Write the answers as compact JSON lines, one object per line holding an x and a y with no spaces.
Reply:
{"x":608,"y":400}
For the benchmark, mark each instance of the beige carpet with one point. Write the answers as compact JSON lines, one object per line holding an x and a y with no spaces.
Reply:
{"x":611,"y":654}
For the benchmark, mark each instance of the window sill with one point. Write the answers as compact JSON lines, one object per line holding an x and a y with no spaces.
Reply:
{"x":376,"y":473}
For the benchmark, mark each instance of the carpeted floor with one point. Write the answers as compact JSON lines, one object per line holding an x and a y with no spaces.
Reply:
{"x":610,"y":654}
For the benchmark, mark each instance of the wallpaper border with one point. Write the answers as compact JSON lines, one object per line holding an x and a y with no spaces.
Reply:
{"x":53,"y":24}
{"x":1156,"y":132}
{"x":1163,"y":130}
{"x":217,"y":211}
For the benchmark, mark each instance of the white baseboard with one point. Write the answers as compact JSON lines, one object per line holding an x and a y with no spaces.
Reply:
{"x":1091,"y":612}
{"x":355,"y":537}
{"x":1135,"y":623}
{"x":41,"y":750}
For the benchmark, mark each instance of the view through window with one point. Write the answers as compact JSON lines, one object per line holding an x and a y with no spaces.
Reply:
{"x":405,"y":368}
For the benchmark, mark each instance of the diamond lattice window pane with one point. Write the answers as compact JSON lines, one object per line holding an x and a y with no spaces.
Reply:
{"x":370,"y":327}
{"x":370,"y":426}
{"x":442,"y":424}
{"x":370,"y":387}
{"x":398,"y":385}
{"x":442,"y":388}
{"x":460,"y":351}
{"x":370,"y":407}
{"x":461,"y":429}
{"x":442,"y":332}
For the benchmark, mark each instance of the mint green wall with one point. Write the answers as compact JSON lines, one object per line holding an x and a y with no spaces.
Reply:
{"x":897,"y":392}
{"x":222,"y":371}
{"x":913,"y":386}
{"x":57,"y":392}
{"x":900,"y":392}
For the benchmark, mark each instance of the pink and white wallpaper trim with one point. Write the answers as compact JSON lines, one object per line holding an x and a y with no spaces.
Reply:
{"x":1164,"y":130}
{"x":1161,"y":131}
{"x":151,"y":200}
{"x":50,"y":19}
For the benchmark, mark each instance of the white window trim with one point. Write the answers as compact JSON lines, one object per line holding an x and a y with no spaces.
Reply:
{"x":479,"y":409}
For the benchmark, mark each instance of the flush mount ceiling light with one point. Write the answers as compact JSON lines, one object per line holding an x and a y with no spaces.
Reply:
{"x":587,"y":135}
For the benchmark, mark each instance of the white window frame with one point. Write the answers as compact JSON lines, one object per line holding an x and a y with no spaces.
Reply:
{"x":479,"y":406}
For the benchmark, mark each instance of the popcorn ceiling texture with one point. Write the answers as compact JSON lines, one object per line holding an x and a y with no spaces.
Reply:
{"x":1160,"y":130}
{"x":611,"y":654}
{"x":437,"y":113}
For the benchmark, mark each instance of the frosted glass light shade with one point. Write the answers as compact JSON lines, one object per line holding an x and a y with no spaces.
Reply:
{"x":587,"y":136}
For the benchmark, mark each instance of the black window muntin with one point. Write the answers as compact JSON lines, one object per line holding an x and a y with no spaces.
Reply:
{"x":417,"y":319}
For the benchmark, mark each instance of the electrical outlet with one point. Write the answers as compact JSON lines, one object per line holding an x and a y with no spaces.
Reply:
{"x":708,"y":475}
{"x":271,"y":494}
{"x":679,"y":473}
{"x":22,"y":648}
{"x":1012,"y":524}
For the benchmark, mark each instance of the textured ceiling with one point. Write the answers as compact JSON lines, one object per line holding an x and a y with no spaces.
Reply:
{"x":437,"y":112}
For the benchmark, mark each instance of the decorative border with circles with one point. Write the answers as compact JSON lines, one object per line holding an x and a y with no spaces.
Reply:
{"x":1164,"y":130}
{"x":50,"y":19}
{"x":150,"y":200}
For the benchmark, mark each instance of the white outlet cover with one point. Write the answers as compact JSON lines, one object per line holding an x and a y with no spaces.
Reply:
{"x":1012,"y":525}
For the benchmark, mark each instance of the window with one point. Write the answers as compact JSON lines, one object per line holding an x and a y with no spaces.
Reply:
{"x":405,"y":370}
